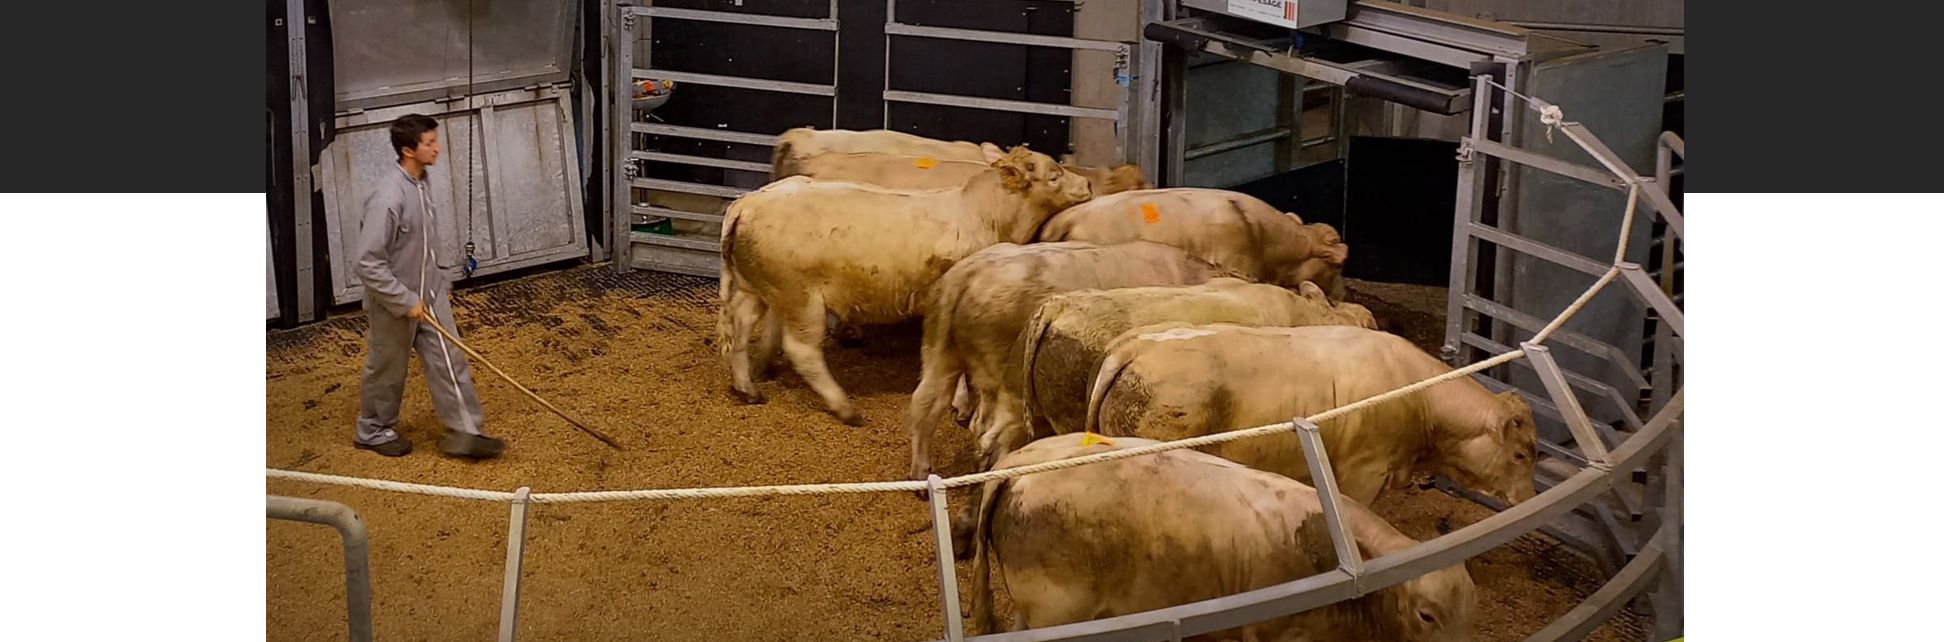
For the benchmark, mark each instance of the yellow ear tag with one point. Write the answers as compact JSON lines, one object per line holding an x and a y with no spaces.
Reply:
{"x":925,"y":163}
{"x":1089,"y":439}
{"x":1150,"y":213}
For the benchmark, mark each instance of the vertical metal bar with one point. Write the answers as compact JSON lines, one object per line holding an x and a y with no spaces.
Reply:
{"x":295,"y":20}
{"x":890,"y":18}
{"x":570,"y":167}
{"x":486,"y":122}
{"x":1124,"y":116}
{"x":1669,"y":618}
{"x":1569,"y":405}
{"x":606,"y":135}
{"x":836,"y":60}
{"x":621,"y":137}
{"x":1147,"y":131}
{"x":1323,"y":478}
{"x":1469,"y":209}
{"x":1663,"y":375}
{"x":1175,"y":79}
{"x":1512,"y":117}
{"x":515,"y":555}
{"x":357,"y":552}
{"x":1289,"y":116}
{"x":947,"y":571}
{"x":1664,"y":305}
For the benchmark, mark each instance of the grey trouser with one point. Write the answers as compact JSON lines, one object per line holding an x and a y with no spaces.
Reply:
{"x":390,"y":345}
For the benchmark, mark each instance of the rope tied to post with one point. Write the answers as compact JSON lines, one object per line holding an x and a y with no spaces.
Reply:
{"x":1551,"y":117}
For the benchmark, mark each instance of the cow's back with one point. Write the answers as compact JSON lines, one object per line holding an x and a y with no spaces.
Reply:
{"x":871,"y":252}
{"x":893,"y":171}
{"x":1207,"y":379}
{"x":999,"y":288}
{"x":1147,"y":532}
{"x":1069,"y":350}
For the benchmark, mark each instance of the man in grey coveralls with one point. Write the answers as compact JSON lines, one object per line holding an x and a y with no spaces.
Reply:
{"x":397,"y":260}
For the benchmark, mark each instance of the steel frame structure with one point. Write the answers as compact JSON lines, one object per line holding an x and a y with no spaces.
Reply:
{"x":695,"y":256}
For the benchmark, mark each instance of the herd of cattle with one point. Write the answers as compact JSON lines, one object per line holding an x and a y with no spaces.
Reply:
{"x":1070,"y":310}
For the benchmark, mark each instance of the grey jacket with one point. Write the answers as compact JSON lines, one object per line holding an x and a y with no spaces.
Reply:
{"x":398,"y":245}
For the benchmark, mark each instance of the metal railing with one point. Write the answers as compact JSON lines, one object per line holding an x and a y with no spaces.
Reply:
{"x":1123,"y":60}
{"x":630,"y":23}
{"x":357,"y":552}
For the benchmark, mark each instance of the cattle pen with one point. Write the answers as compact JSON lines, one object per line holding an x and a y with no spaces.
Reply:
{"x":1658,"y":556}
{"x":1618,"y":484}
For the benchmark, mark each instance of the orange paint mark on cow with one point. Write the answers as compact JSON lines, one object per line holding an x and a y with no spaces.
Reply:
{"x":1090,"y":439}
{"x":1150,"y":213}
{"x":925,"y":163}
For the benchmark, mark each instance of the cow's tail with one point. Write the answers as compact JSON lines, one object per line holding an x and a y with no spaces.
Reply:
{"x":1036,"y":329}
{"x":783,"y":160}
{"x":982,"y":557}
{"x":1119,"y":353}
{"x":729,"y":284}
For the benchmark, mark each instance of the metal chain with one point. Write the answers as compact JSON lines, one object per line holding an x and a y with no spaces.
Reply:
{"x":472,"y":142}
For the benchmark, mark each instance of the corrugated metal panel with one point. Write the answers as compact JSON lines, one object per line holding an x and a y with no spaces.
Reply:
{"x":525,"y":207}
{"x":391,"y":52}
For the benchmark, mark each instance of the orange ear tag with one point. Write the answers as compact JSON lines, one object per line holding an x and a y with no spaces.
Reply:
{"x":925,"y":163}
{"x":1089,"y":439}
{"x":1150,"y":213}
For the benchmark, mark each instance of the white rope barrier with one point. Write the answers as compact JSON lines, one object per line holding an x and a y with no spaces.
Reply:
{"x":1549,"y":114}
{"x":399,"y":487}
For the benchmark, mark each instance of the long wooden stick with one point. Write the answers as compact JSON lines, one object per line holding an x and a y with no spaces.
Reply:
{"x":509,"y":379}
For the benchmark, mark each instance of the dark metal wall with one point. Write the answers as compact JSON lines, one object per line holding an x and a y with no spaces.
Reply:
{"x":927,"y":65}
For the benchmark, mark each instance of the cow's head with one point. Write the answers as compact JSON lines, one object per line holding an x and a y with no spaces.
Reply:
{"x":1341,"y":312}
{"x":1041,"y":180}
{"x":1498,"y":456}
{"x":1316,"y":254}
{"x":1108,"y":180}
{"x":1435,"y":607}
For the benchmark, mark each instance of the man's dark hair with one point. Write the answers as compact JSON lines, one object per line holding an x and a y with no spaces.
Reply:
{"x":408,"y":130}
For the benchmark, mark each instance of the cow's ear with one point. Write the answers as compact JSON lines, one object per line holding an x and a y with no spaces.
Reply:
{"x":992,"y":152}
{"x":1310,"y":291}
{"x":1010,"y":174}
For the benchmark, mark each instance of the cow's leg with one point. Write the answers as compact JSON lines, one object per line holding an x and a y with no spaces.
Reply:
{"x":928,"y":404}
{"x":767,"y":346}
{"x":803,"y":334}
{"x":962,"y":402}
{"x":745,"y":310}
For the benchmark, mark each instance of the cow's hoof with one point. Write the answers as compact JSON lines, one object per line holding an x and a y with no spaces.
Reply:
{"x":962,"y":533}
{"x":751,"y":398}
{"x":964,"y":418}
{"x":849,"y":416}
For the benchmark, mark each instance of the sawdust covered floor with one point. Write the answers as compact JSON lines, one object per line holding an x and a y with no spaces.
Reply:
{"x":634,"y":356}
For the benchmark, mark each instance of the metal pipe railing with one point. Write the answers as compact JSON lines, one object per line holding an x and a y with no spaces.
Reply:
{"x":357,"y":552}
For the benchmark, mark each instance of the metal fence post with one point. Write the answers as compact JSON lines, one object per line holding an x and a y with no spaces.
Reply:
{"x":621,"y":44}
{"x":1568,"y":404}
{"x":1324,"y":480}
{"x":357,"y":552}
{"x":1669,"y":620}
{"x":1467,"y":212}
{"x":515,"y":555}
{"x":947,"y":570}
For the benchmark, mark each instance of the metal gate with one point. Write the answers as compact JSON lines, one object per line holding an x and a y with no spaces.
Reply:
{"x":505,"y":120}
{"x":674,"y":225}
